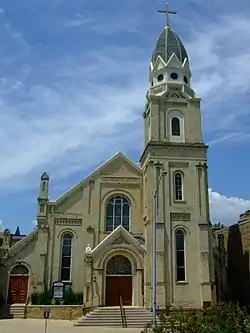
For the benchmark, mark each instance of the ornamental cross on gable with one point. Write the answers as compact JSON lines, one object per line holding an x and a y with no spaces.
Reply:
{"x":166,"y":11}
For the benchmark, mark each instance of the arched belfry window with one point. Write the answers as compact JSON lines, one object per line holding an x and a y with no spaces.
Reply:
{"x":119,"y":265}
{"x":175,"y":126}
{"x":180,"y":255}
{"x":117,"y":213}
{"x":178,"y":186}
{"x":66,"y":256}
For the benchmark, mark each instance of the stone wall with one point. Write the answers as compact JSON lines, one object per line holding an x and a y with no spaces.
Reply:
{"x":63,"y":312}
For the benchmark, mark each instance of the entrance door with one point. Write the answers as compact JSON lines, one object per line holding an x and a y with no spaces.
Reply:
{"x":18,"y":289}
{"x":118,"y":281}
{"x":18,"y":284}
{"x":116,"y":287}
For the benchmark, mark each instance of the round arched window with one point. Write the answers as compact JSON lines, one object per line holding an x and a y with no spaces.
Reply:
{"x":117,"y":213}
{"x":119,"y":265}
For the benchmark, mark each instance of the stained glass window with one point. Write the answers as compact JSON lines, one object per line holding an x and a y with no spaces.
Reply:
{"x":119,"y":265}
{"x":19,"y":270}
{"x":117,"y":213}
{"x":180,"y":255}
{"x":66,"y":254}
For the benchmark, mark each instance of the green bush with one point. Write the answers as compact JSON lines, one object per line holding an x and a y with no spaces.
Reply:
{"x":220,"y":319}
{"x":45,"y":298}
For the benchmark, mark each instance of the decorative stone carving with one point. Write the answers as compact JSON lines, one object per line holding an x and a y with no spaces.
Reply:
{"x":115,"y":179}
{"x":68,"y":221}
{"x":120,"y":240}
{"x":177,"y":165}
{"x":180,"y":216}
{"x":88,"y":249}
{"x":205,"y":258}
{"x":88,"y":260}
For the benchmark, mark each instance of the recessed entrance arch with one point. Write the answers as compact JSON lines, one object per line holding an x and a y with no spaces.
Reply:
{"x":18,"y":284}
{"x":118,"y":281}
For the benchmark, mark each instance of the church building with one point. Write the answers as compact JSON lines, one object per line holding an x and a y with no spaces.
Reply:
{"x":98,"y":236}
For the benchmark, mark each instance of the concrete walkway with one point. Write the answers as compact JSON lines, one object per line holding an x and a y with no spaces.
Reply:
{"x":55,"y":326}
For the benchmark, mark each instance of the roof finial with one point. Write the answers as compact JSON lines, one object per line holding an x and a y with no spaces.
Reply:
{"x":166,"y":11}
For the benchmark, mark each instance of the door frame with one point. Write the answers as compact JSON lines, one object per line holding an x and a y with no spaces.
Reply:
{"x":14,"y":264}
{"x":133,"y":275}
{"x":118,"y":275}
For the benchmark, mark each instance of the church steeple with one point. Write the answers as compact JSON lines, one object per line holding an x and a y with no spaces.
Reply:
{"x":174,"y":145}
{"x":172,"y":111}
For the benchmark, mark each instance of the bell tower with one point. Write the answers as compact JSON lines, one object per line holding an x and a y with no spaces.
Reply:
{"x":173,"y":143}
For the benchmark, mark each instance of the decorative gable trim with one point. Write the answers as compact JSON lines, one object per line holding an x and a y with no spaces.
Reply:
{"x":19,"y":246}
{"x":93,"y":176}
{"x":119,"y":232}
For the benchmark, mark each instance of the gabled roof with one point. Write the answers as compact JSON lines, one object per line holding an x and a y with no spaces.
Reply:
{"x":119,"y":232}
{"x":96,"y":173}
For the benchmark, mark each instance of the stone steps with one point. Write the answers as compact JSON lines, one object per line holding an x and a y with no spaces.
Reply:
{"x":137,"y":317}
{"x":13,"y":311}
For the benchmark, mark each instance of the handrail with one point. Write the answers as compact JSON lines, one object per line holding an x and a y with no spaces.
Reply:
{"x":123,"y":315}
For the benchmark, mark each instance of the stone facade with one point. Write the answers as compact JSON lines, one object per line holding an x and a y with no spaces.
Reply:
{"x":56,"y":312}
{"x":107,"y":219}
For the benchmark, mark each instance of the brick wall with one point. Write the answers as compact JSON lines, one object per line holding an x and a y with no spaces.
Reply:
{"x":236,"y":245}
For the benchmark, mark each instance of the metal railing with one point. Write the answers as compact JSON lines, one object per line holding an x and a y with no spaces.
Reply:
{"x":123,"y":314}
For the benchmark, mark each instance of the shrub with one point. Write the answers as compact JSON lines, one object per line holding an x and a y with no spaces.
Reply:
{"x":220,"y":319}
{"x":45,"y":298}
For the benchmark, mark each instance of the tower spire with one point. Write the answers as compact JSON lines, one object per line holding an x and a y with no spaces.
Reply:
{"x":167,"y":11}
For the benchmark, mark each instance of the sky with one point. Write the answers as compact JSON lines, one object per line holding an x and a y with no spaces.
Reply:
{"x":73,"y":79}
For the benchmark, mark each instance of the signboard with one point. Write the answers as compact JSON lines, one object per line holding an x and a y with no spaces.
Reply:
{"x":58,"y":290}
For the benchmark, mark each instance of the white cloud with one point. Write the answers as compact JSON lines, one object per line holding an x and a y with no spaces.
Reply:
{"x":1,"y":225}
{"x":226,"y":210}
{"x":220,"y":53}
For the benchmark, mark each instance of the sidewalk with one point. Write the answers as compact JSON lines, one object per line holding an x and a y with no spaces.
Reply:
{"x":55,"y":326}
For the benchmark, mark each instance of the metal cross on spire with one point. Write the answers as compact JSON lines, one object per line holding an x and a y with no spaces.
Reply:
{"x":166,"y":11}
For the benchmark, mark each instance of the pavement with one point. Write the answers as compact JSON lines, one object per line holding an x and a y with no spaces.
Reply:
{"x":55,"y":326}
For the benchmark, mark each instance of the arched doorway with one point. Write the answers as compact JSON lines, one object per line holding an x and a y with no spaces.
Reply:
{"x":18,"y":284}
{"x":118,"y":281}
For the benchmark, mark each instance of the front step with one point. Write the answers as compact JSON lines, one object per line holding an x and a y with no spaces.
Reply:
{"x":13,"y":311}
{"x":111,"y":317}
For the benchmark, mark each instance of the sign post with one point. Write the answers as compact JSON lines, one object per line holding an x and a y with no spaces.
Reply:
{"x":46,"y":313}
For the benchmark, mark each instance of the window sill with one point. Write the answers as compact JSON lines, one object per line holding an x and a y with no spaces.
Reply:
{"x":180,"y":201}
{"x":182,"y":283}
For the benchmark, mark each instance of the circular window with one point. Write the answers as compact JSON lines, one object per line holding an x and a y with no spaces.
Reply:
{"x":160,"y":77}
{"x":174,"y":76}
{"x":185,"y":79}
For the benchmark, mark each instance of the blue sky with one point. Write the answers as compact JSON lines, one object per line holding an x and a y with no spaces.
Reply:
{"x":73,"y":79}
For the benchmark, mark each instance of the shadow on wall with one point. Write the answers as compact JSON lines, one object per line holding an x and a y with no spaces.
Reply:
{"x":238,"y":267}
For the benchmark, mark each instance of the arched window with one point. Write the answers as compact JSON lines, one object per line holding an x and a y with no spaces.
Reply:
{"x":66,"y":256}
{"x":119,"y":265}
{"x":180,"y":255}
{"x":19,"y":270}
{"x":117,"y":213}
{"x":175,"y":126}
{"x":178,"y":186}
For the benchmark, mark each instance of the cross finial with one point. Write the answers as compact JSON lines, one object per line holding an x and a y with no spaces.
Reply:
{"x":166,"y":11}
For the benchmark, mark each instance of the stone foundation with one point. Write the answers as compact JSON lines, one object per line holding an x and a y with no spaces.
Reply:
{"x":63,"y":312}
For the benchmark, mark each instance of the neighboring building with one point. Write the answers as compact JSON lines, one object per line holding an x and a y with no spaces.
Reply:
{"x":233,"y":262}
{"x":97,"y":237}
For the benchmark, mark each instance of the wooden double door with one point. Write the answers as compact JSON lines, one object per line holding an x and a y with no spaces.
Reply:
{"x":18,"y":289}
{"x":116,"y":287}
